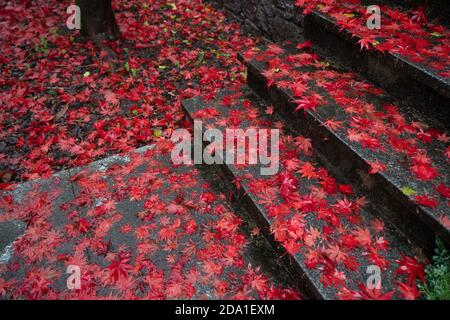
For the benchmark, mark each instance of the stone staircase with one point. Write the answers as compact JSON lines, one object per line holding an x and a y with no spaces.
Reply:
{"x":353,"y":212}
{"x":138,"y":227}
{"x":413,"y":83}
{"x":377,"y":124}
{"x":307,"y":230}
{"x":353,"y":158}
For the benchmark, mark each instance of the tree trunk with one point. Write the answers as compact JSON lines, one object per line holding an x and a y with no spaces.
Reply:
{"x":97,"y":19}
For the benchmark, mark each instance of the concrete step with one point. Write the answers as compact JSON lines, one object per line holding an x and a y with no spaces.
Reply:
{"x":416,"y":83}
{"x":301,"y":207}
{"x":138,"y":227}
{"x":385,"y":149}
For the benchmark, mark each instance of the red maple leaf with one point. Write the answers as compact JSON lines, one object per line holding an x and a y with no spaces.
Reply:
{"x":332,"y":124}
{"x":426,"y":201}
{"x":304,"y":145}
{"x":308,"y":171}
{"x":305,"y":44}
{"x":408,"y":291}
{"x":443,"y":190}
{"x":5,"y":286}
{"x":82,"y":225}
{"x":411,"y":268}
{"x":366,"y":42}
{"x":374,"y":294}
{"x":424,"y":172}
{"x":259,"y":283}
{"x":376,"y":167}
{"x":329,"y":184}
{"x":377,"y":225}
{"x":420,"y":15}
{"x":308,"y":103}
{"x":111,"y":98}
{"x":346,"y":189}
{"x":175,"y":289}
{"x":371,"y":143}
{"x":291,"y":164}
{"x":174,"y":208}
{"x":363,"y":236}
{"x":278,"y":210}
{"x":335,"y":253}
{"x":212,"y":269}
{"x":275,"y":49}
{"x":118,"y":269}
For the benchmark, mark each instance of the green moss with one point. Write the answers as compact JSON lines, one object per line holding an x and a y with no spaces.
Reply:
{"x":437,"y":275}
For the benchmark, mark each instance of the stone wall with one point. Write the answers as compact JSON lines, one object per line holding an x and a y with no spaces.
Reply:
{"x":274,"y":19}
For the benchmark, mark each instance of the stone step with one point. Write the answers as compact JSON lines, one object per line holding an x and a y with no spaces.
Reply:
{"x":384,"y":149}
{"x":330,"y":239}
{"x":138,"y":227}
{"x":435,"y":9}
{"x":416,"y":83}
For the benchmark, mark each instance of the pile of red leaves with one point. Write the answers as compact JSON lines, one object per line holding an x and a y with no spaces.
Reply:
{"x":137,"y":229}
{"x":317,"y":218}
{"x":408,"y":34}
{"x":396,"y":141}
{"x":65,"y":104}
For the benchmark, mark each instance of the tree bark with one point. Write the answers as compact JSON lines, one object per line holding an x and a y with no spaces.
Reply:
{"x":97,"y":19}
